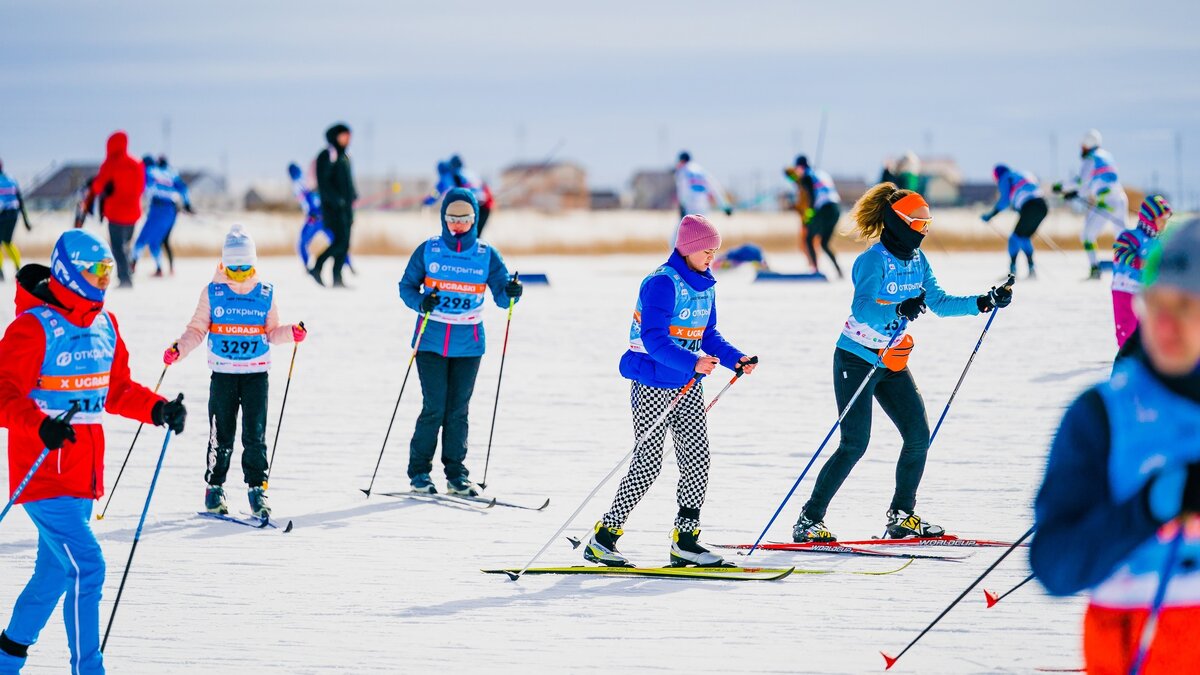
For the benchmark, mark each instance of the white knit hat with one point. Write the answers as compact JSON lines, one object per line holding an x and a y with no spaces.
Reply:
{"x":239,"y":248}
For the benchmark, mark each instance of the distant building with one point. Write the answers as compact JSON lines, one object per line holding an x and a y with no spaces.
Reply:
{"x":972,"y":194}
{"x":604,"y":200}
{"x":548,"y":187}
{"x":654,"y":189}
{"x":60,"y":189}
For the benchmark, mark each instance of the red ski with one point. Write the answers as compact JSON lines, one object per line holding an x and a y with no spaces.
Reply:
{"x":840,"y":548}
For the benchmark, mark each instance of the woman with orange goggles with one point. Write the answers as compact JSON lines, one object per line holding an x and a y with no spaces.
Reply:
{"x":893,"y":282}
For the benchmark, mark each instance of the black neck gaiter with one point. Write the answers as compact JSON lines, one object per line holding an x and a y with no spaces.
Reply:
{"x":898,"y":238}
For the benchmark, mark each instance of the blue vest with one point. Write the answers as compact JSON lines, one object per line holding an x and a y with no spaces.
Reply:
{"x":1022,"y":187}
{"x":8,"y":194}
{"x":1101,"y":171}
{"x":460,"y":279}
{"x":1152,"y":430}
{"x":823,"y":190}
{"x":237,"y":330}
{"x":76,"y":366}
{"x":160,"y":184}
{"x":902,"y":279}
{"x":692,"y":309}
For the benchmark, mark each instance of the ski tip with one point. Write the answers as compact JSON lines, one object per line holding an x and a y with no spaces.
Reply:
{"x":491,"y":503}
{"x":574,"y":542}
{"x":544,"y":505}
{"x":889,"y":660}
{"x":288,"y":528}
{"x":992,"y":598}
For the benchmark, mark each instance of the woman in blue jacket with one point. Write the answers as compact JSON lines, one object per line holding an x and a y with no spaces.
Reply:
{"x":446,"y":281}
{"x":892,"y":283}
{"x":673,"y":339}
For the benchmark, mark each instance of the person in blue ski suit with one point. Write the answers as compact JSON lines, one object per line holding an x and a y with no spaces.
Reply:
{"x":1122,"y":482}
{"x":168,"y":193}
{"x":893,"y":284}
{"x":446,"y":283}
{"x":310,"y":203}
{"x":65,"y":349}
{"x":1020,"y":191}
{"x":445,"y":183}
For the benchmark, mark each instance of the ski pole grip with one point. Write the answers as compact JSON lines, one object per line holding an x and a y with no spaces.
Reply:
{"x":741,"y":366}
{"x":70,"y":412}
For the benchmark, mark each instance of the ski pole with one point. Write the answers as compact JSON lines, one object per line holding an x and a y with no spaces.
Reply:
{"x":992,"y":598}
{"x":637,"y":444}
{"x":416,"y":344}
{"x":279,"y":425}
{"x":845,"y":411}
{"x":66,"y":417}
{"x":737,"y":374}
{"x":891,"y":660}
{"x":496,"y":405}
{"x":137,"y":433}
{"x":136,"y":537}
{"x":1164,"y":579}
{"x":963,"y":376}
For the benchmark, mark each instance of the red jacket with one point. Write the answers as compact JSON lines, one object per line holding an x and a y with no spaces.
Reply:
{"x":121,"y":179}
{"x":77,"y":470}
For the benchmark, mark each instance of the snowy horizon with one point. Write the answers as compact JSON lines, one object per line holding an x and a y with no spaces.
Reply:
{"x":246,"y":88}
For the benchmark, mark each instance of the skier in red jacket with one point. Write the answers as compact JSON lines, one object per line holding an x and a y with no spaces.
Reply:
{"x":62,"y":350}
{"x":121,"y":181}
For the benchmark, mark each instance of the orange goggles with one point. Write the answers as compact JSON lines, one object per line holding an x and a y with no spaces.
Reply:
{"x":907,"y":205}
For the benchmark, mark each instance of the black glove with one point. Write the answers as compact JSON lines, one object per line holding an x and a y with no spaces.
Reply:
{"x":729,"y":210}
{"x":912,"y":307}
{"x":189,"y":209}
{"x":514,"y":288}
{"x":55,"y":432}
{"x":170,"y":413}
{"x":1191,"y":489}
{"x":997,"y":298}
{"x":429,"y":301}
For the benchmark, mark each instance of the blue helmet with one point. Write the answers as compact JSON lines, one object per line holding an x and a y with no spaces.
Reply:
{"x":74,"y":251}
{"x":455,"y":162}
{"x":999,"y":171}
{"x":294,"y":171}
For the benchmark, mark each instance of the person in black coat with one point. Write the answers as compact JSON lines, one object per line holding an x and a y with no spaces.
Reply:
{"x":335,"y":183}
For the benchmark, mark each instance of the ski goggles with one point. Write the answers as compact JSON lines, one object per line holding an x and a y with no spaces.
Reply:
{"x":906,"y":205}
{"x":239,"y":272}
{"x":460,"y":220}
{"x":100,"y":268}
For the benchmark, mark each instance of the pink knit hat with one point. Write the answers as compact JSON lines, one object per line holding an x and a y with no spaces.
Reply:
{"x":696,"y":234}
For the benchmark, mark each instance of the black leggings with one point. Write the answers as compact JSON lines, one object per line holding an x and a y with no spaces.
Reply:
{"x":822,"y":225}
{"x":899,"y":397}
{"x":1031,"y":215}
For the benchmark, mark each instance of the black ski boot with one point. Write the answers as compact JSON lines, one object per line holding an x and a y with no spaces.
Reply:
{"x":904,"y":525}
{"x":808,"y":530}
{"x":686,"y":550}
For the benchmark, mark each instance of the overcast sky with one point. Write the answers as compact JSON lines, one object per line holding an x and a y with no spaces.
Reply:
{"x":623,"y":85}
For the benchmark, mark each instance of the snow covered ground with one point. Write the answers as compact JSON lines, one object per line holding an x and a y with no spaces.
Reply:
{"x":386,"y":585}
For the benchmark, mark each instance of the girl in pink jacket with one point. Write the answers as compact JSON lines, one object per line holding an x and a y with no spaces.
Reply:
{"x":237,"y":317}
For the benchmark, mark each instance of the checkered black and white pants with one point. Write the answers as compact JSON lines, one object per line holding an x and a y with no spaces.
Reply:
{"x":689,"y":432}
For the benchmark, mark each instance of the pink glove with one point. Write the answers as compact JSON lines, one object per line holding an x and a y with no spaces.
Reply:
{"x":299,"y":332}
{"x":172,"y":354}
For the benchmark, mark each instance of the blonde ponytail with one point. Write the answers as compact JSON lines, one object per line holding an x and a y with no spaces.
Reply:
{"x":867,"y":214}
